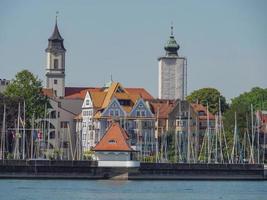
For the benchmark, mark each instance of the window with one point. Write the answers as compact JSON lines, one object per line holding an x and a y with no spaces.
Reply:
{"x":87,"y":102}
{"x":52,"y":135}
{"x":55,"y":81}
{"x":111,"y":113}
{"x":112,"y":141}
{"x":84,"y":124}
{"x":143,"y":113}
{"x":138,"y":113}
{"x":91,"y":135}
{"x":116,"y":112}
{"x":55,"y":63}
{"x":64,"y":124}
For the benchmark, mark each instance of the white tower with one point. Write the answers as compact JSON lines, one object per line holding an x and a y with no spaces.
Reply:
{"x":55,"y":63}
{"x":172,"y":72}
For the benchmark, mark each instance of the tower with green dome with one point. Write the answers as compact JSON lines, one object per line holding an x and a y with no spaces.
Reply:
{"x":172,"y":72}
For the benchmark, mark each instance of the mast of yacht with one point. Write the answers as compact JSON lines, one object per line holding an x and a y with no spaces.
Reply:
{"x":264,"y":144}
{"x":252,"y":135}
{"x":220,"y":131}
{"x":234,"y":143}
{"x":258,"y":138}
{"x":23,"y":136}
{"x":208,"y":133}
{"x":70,"y":142}
{"x":157,"y":137}
{"x":17,"y":136}
{"x":3,"y":136}
{"x":188,"y":135}
{"x":216,"y":138}
{"x":48,"y":133}
{"x":32,"y":132}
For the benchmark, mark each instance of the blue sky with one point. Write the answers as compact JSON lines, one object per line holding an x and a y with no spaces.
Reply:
{"x":225,"y":42}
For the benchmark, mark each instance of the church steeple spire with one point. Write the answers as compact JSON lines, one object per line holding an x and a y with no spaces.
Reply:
{"x":55,"y":63}
{"x":55,"y":41}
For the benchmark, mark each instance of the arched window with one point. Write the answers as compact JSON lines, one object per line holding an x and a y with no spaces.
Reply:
{"x":55,"y":63}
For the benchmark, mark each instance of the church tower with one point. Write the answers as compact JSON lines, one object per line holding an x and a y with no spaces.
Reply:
{"x":172,"y":72}
{"x":55,"y":63}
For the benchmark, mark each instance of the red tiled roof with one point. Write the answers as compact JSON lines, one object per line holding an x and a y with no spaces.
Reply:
{"x":81,"y":94}
{"x":162,"y":107}
{"x":78,"y":92}
{"x":115,"y":139}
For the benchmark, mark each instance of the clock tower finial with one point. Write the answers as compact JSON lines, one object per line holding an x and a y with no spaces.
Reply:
{"x":55,"y":64}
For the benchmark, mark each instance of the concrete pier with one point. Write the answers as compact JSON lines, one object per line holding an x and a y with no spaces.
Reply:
{"x":147,"y":171}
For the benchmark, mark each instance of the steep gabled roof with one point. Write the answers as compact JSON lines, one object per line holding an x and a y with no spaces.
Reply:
{"x":140,"y":92}
{"x":161,"y":107}
{"x":115,"y":139}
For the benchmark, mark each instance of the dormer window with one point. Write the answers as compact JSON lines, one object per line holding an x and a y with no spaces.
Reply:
{"x":112,"y":141}
{"x":55,"y":63}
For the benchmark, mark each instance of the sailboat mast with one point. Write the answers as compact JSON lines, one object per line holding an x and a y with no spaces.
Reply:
{"x":3,"y":138}
{"x":188,"y":135}
{"x":252,"y":135}
{"x":23,"y":136}
{"x":208,"y":132}
{"x":258,"y":138}
{"x":32,"y":132}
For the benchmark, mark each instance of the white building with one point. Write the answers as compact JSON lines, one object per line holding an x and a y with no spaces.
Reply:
{"x":172,"y":72}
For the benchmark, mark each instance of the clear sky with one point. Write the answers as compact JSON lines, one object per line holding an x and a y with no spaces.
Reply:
{"x":225,"y":42}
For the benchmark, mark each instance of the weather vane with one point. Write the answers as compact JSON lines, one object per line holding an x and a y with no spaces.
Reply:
{"x":57,"y":12}
{"x":171,"y":28}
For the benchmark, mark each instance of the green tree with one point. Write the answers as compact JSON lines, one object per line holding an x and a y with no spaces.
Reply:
{"x":11,"y":109}
{"x":210,"y":96}
{"x":28,"y":88}
{"x":241,"y":105}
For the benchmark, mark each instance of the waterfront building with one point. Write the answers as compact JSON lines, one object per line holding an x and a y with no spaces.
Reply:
{"x":127,"y":106}
{"x":114,"y":145}
{"x":172,"y":72}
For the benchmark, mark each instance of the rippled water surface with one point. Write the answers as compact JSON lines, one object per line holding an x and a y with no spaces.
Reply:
{"x":154,"y":190}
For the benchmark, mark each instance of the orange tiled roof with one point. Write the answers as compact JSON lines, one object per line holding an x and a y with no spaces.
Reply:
{"x":162,"y":107}
{"x":115,"y":139}
{"x":78,"y":93}
{"x":72,"y":90}
{"x":140,"y":92}
{"x":98,"y":98}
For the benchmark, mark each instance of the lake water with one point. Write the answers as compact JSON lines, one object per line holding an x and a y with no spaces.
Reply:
{"x":150,"y":190}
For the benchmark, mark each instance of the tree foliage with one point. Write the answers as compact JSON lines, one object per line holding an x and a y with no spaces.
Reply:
{"x":210,"y":96}
{"x":27,"y":87}
{"x":11,"y":109}
{"x":241,"y":105}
